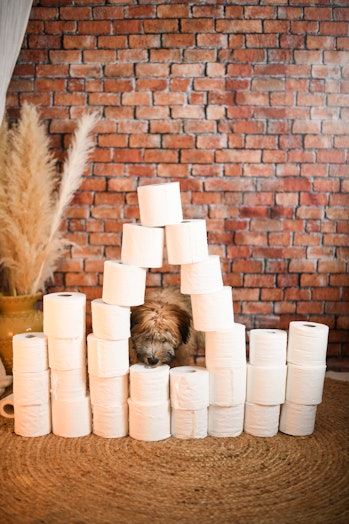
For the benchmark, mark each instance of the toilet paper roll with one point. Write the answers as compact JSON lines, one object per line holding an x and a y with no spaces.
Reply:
{"x":31,"y":388}
{"x":268,"y":347}
{"x":123,"y":285}
{"x":160,"y":204}
{"x":7,"y":409}
{"x":226,"y":349}
{"x":202,"y":277}
{"x":228,"y":386}
{"x":149,"y":422}
{"x":186,"y":242}
{"x":260,"y":420}
{"x":226,"y":421}
{"x":66,"y":353}
{"x":71,"y":418}
{"x":110,"y":421}
{"x":142,"y":246}
{"x":30,"y":352}
{"x":32,"y":421}
{"x":68,"y":384}
{"x":149,"y":384}
{"x":189,"y":387}
{"x":64,"y":314}
{"x":110,"y":322}
{"x":307,"y":343}
{"x":187,"y":424}
{"x":266,"y":385}
{"x":305,"y":384}
{"x":108,"y":392}
{"x":213,"y":311}
{"x":107,"y":358}
{"x":297,"y":420}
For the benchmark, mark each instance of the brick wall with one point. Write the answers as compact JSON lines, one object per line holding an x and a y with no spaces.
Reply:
{"x":246,"y":103}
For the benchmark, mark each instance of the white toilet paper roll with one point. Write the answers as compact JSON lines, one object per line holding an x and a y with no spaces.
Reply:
{"x":213,"y":311}
{"x":297,"y":420}
{"x":261,"y":421}
{"x":160,"y":204}
{"x":7,"y":409}
{"x":68,"y":384}
{"x":268,"y":347}
{"x":123,"y":285}
{"x":110,"y":421}
{"x":202,"y":277}
{"x":307,"y":343}
{"x":111,"y":391}
{"x":228,"y":386}
{"x":32,"y":421}
{"x":186,"y":242}
{"x":30,"y":352}
{"x":305,"y":384}
{"x":71,"y":418}
{"x":66,"y":353}
{"x":189,"y":387}
{"x":107,"y":358}
{"x":226,"y":349}
{"x":149,"y":384}
{"x":142,"y":246}
{"x":226,"y":421}
{"x":187,"y":424}
{"x":64,"y":314}
{"x":110,"y":322}
{"x":31,"y":388}
{"x":266,"y":385}
{"x":149,"y":422}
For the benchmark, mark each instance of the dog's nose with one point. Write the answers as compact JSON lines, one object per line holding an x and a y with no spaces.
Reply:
{"x":152,"y":361}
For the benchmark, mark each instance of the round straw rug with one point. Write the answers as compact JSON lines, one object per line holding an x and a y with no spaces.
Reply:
{"x":281,"y":480}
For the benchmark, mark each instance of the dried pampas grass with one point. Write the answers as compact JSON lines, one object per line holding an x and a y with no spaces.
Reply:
{"x":34,"y":198}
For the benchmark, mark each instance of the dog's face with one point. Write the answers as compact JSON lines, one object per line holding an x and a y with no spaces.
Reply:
{"x":157,"y":330}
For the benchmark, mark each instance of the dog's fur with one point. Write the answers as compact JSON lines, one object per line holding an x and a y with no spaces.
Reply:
{"x":162,"y":331}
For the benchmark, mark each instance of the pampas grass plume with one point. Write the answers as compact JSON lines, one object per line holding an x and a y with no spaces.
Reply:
{"x":34,"y":198}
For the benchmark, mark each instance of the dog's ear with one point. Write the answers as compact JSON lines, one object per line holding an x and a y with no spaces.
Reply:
{"x":184,"y":324}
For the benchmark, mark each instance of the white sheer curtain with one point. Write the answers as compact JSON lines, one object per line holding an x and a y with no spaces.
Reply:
{"x":14,"y":15}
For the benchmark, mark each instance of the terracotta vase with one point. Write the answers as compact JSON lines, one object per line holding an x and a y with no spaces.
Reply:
{"x":18,"y":314}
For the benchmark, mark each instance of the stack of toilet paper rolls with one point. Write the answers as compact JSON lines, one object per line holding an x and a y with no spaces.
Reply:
{"x":64,"y":325}
{"x":149,"y":403}
{"x":226,"y":363}
{"x":266,"y":381}
{"x":306,"y":357}
{"x":189,"y":393}
{"x":108,"y":367}
{"x":31,"y":385}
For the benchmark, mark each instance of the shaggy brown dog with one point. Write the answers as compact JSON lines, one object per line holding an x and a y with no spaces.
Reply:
{"x":161,"y":329}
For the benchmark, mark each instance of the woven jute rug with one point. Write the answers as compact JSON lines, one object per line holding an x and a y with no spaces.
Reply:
{"x":246,"y":479}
